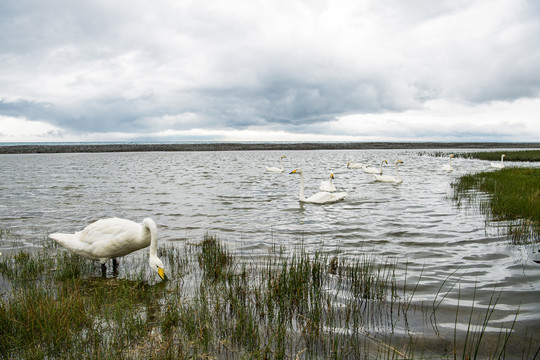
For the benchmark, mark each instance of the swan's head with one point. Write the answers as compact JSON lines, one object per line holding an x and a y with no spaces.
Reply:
{"x":503,"y":155}
{"x":451,"y":155}
{"x":283,"y":156}
{"x":332,"y":176}
{"x":398,"y":162}
{"x":157,"y":265}
{"x":386,"y":162}
{"x":297,"y":171}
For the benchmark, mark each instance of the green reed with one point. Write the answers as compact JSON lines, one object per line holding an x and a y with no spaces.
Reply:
{"x":514,"y":199}
{"x":285,"y":305}
{"x":521,"y":155}
{"x":513,"y":155}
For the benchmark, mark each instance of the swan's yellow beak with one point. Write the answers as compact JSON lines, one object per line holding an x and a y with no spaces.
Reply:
{"x":332,"y":176}
{"x":293,"y":172}
{"x":161,"y":273}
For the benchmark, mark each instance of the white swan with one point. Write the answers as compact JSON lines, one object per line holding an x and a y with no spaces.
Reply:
{"x":390,"y":179}
{"x":499,"y":165}
{"x":448,"y":167}
{"x":111,"y":238}
{"x":328,"y":185}
{"x":353,"y":165}
{"x":320,"y":197}
{"x":276,"y":169}
{"x":369,"y":170}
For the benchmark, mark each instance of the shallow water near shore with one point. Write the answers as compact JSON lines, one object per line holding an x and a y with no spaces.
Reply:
{"x":449,"y":252}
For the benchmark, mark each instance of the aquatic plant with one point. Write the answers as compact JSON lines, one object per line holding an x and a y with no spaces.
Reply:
{"x":286,"y":305}
{"x":513,"y":202}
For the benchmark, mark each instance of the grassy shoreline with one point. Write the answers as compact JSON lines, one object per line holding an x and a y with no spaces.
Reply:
{"x":514,"y":194}
{"x":293,"y":305}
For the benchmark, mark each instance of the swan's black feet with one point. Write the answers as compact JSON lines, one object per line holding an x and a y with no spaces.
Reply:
{"x":114,"y":268}
{"x":103,"y":270}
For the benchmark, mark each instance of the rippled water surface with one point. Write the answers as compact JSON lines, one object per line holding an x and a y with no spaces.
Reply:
{"x":230,"y":194}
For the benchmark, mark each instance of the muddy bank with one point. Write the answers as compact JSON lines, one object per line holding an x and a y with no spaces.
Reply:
{"x":90,"y":148}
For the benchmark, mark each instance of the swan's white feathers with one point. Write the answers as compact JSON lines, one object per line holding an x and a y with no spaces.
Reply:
{"x":387,"y":179}
{"x":328,"y":185}
{"x":324,"y":197}
{"x":276,"y":169}
{"x":353,"y":165}
{"x":448,"y":167}
{"x":111,"y":238}
{"x":390,"y":179}
{"x":320,"y":197}
{"x":370,"y":170}
{"x":499,"y":165}
{"x":105,"y":239}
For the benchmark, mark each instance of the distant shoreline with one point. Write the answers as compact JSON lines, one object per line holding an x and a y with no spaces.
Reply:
{"x":100,"y":148}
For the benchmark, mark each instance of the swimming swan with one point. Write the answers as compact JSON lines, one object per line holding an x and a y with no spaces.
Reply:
{"x":390,"y":179}
{"x":499,"y":165}
{"x":328,"y":185}
{"x":369,"y":170}
{"x":276,"y":169}
{"x":448,"y":167}
{"x":111,"y":238}
{"x":320,"y":197}
{"x":353,"y":165}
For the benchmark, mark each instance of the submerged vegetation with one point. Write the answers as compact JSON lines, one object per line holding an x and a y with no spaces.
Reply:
{"x":286,"y":305}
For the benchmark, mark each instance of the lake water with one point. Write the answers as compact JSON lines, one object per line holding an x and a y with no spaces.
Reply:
{"x":230,"y":194}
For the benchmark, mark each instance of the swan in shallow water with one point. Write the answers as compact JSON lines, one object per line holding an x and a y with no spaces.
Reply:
{"x":328,"y":185}
{"x":320,"y":197}
{"x":448,"y":167}
{"x":276,"y":169}
{"x":111,"y":238}
{"x":390,"y":179}
{"x":369,"y":170}
{"x":353,"y":165}
{"x":499,"y":165}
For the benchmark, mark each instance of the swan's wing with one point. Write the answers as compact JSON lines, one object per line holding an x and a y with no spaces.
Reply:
{"x":109,"y":230}
{"x":325,"y":197}
{"x":387,"y":178}
{"x":110,"y":238}
{"x":327,"y":186}
{"x":370,"y":170}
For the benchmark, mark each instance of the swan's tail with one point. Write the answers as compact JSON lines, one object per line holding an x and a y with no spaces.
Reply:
{"x":62,"y":239}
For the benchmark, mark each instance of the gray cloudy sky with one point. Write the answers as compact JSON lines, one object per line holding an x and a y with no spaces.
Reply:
{"x":359,"y":70}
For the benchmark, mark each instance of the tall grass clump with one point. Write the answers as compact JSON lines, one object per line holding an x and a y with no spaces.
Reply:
{"x":514,"y":198}
{"x":521,"y":155}
{"x":280,"y":306}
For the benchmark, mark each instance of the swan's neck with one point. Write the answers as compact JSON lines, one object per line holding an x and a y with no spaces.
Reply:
{"x":397,"y":173}
{"x":281,"y":162}
{"x":450,"y":162}
{"x":302,"y":197}
{"x":150,"y":226}
{"x":380,"y":168}
{"x":502,"y":159}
